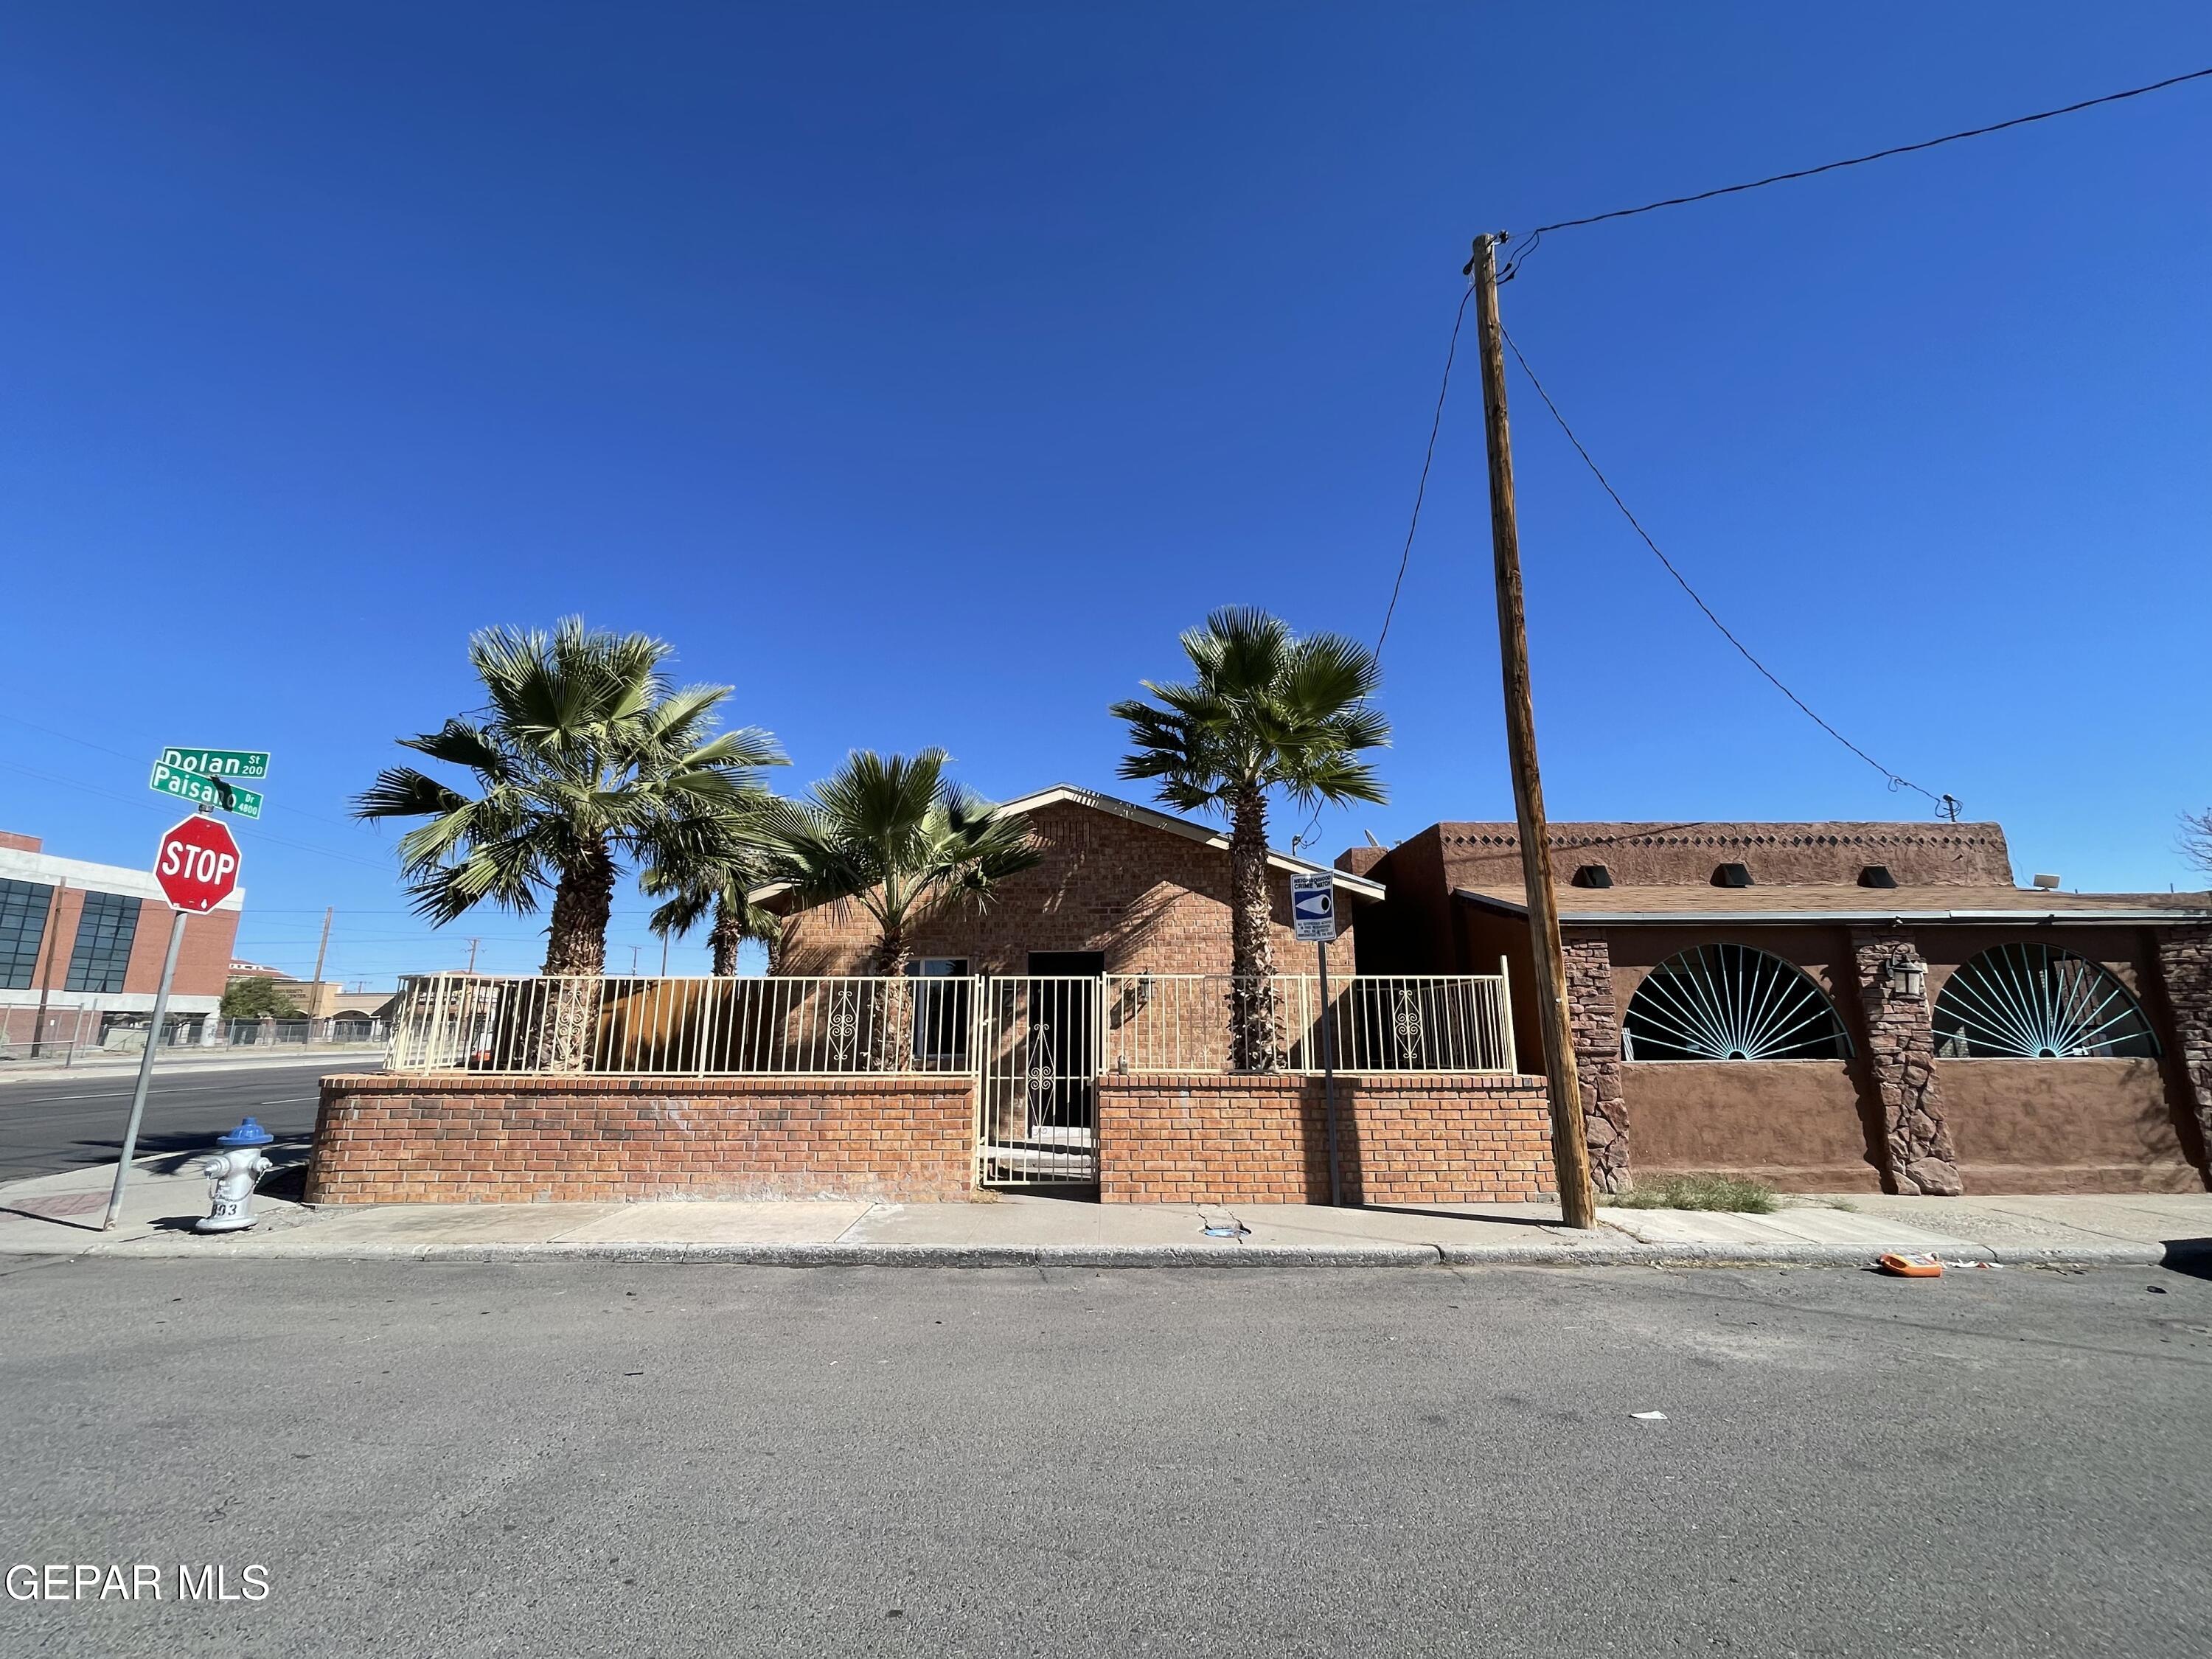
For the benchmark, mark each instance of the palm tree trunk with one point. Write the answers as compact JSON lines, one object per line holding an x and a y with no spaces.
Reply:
{"x":1254,"y":1041}
{"x":892,"y":1017}
{"x":724,"y":938}
{"x":576,"y":951}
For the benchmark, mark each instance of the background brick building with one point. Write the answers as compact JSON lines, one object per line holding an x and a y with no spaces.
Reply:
{"x":82,"y":943}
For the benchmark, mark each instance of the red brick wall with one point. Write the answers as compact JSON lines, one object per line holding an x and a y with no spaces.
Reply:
{"x":1151,"y":900}
{"x":15,"y":844}
{"x":452,"y":1140}
{"x":1409,"y":1139}
{"x":203,"y":961}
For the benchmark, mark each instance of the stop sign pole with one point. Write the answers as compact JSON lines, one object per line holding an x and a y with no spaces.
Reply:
{"x":198,"y":868}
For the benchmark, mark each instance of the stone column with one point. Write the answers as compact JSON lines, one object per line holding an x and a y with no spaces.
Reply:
{"x":2184,"y":963}
{"x":1596,"y":1022}
{"x":1901,"y":1058}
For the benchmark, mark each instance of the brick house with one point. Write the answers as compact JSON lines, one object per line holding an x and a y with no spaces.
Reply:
{"x":1121,"y":888}
{"x":1833,"y":1006}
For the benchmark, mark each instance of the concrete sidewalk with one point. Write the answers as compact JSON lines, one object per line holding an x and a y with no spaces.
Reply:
{"x":187,"y":1058}
{"x":60,"y":1215}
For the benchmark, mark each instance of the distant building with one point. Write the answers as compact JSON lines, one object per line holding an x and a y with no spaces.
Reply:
{"x":82,"y":943}
{"x":318,"y":999}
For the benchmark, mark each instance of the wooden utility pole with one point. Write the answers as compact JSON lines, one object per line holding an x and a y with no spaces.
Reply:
{"x":323,"y":948}
{"x":1570,"y":1147}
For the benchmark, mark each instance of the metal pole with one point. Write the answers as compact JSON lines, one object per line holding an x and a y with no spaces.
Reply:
{"x":145,"y":1072}
{"x":1328,"y":1081}
{"x":1569,"y":1141}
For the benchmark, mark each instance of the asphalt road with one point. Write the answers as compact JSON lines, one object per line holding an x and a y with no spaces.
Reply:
{"x":590,"y":1458}
{"x":62,"y":1121}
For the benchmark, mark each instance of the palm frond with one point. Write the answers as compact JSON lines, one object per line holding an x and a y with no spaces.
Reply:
{"x":401,"y":791}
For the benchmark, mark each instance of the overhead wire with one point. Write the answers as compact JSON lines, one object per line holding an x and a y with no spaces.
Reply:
{"x":1428,"y":459}
{"x":1946,"y":803}
{"x":1872,"y":156}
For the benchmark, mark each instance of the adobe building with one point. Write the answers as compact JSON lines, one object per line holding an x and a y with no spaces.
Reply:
{"x":81,"y":949}
{"x":1837,"y":1007}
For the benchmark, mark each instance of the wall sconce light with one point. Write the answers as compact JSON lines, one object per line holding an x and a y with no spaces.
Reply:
{"x":1903,"y":977}
{"x":1144,"y":990}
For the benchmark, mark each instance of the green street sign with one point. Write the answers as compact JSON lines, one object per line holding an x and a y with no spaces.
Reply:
{"x":216,"y":791}
{"x":217,"y":762}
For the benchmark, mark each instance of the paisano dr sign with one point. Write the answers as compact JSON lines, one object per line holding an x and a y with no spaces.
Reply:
{"x":215,"y":790}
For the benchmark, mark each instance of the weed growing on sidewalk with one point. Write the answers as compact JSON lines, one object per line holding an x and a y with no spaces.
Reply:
{"x":1699,"y":1192}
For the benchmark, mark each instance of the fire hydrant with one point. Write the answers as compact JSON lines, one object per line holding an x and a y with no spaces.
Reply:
{"x":232,"y":1175}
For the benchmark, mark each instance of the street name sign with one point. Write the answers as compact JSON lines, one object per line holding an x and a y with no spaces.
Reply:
{"x":208,"y":790}
{"x":217,"y":762}
{"x":197,"y":864}
{"x":1313,"y":908}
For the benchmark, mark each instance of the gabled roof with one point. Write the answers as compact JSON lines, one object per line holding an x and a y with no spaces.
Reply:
{"x":1075,"y":795}
{"x":1822,"y":902}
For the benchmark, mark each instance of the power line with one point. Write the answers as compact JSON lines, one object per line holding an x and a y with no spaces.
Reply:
{"x":86,"y":743}
{"x":1945,"y":804}
{"x":1428,"y":458}
{"x":251,"y":832}
{"x":1855,"y":161}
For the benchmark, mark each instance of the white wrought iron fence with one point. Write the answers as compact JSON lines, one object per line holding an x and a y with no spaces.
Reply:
{"x":1380,"y":1021}
{"x":779,"y":1026}
{"x":1009,"y":1031}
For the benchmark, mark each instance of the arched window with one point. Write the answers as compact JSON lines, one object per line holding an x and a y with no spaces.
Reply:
{"x":2037,"y":1002}
{"x":1730,"y":1002}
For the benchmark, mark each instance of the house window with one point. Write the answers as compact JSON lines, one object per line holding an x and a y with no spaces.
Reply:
{"x":1730,"y":1002}
{"x":941,"y":1009}
{"x":23,"y":906}
{"x":2039,"y":1002}
{"x":105,"y":932}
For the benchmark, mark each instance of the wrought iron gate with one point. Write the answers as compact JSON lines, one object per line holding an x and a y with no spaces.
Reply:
{"x":1037,"y":1054}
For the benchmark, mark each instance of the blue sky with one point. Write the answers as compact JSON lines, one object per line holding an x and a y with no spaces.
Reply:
{"x":920,"y":372}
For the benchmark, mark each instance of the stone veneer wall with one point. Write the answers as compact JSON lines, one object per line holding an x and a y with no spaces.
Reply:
{"x":1247,"y":1140}
{"x":1596,"y":1021}
{"x":1901,"y":1060}
{"x":2184,"y":964}
{"x":474,"y":1138}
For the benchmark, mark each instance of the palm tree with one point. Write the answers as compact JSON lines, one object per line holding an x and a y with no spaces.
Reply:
{"x":1267,"y":712}
{"x":892,"y":834}
{"x":583,"y":755}
{"x":710,"y":870}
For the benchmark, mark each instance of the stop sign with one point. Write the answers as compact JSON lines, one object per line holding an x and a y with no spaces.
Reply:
{"x":197,"y":865}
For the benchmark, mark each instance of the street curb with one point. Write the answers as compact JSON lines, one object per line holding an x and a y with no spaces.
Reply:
{"x":169,"y":1067}
{"x":1627,"y":1254}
